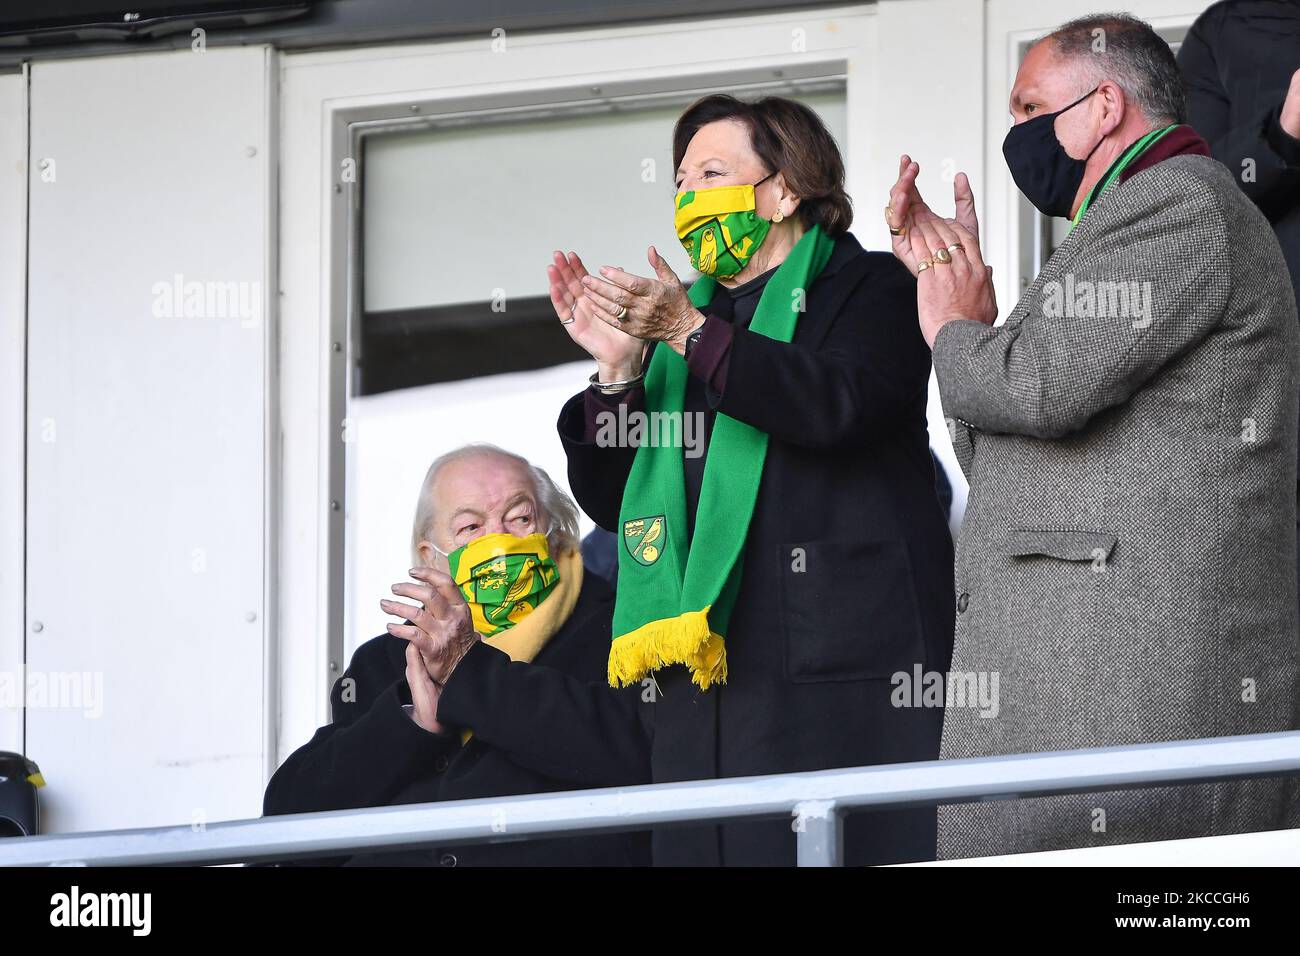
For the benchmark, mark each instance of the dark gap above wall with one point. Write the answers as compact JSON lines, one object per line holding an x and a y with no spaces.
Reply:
{"x":403,"y":348}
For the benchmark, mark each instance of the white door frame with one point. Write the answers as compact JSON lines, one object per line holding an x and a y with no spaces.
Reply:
{"x":13,"y":406}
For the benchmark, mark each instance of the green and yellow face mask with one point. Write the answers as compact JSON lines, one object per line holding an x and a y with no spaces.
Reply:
{"x":720,"y":228}
{"x":503,"y":578}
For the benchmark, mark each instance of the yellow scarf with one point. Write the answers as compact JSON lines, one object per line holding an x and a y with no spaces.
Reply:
{"x":525,"y":640}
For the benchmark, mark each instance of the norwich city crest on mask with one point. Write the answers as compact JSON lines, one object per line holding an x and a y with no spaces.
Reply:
{"x":644,"y":539}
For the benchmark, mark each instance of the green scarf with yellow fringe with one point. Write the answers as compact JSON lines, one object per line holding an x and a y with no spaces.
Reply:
{"x":674,"y":598}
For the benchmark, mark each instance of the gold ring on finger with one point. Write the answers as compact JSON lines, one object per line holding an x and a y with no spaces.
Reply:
{"x":942,"y":257}
{"x":922,"y":266}
{"x":621,"y":314}
{"x":889,"y":222}
{"x":955,"y":246}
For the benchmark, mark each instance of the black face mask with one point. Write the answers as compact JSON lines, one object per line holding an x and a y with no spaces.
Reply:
{"x":1047,"y":175}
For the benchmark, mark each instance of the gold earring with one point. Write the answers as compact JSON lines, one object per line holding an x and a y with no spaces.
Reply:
{"x":779,"y":215}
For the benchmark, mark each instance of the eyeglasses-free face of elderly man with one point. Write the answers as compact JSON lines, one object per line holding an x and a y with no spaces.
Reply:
{"x":497,"y":567}
{"x":487,"y":552}
{"x":471,"y":506}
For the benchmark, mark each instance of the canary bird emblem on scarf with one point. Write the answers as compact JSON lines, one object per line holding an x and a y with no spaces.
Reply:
{"x":708,"y":258}
{"x":644,"y":539}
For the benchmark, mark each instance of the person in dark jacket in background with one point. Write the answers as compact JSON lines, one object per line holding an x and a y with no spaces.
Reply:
{"x":1241,"y":68}
{"x":507,"y":536}
{"x":600,"y":554}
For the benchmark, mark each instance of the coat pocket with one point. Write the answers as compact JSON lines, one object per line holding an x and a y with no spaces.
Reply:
{"x":850,"y":610}
{"x":1066,"y":544}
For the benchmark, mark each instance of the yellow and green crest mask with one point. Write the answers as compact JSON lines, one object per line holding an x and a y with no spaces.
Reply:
{"x":720,"y":228}
{"x":503,"y":578}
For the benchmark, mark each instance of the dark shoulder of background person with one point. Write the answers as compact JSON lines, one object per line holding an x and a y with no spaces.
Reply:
{"x":600,"y":554}
{"x":581,"y":646}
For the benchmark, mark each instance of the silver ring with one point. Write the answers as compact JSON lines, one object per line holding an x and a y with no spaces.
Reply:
{"x":572,"y":318}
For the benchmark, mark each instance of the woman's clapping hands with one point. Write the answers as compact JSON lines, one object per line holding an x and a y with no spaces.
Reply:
{"x":617,"y":308}
{"x":616,"y":352}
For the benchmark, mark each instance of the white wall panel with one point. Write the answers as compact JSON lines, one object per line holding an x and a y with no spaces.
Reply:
{"x":13,"y":348}
{"x":146,"y":436}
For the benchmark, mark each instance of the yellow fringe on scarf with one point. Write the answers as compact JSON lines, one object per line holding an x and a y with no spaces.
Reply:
{"x":686,"y":639}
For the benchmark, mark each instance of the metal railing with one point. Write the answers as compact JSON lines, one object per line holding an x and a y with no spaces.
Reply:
{"x":815,"y":802}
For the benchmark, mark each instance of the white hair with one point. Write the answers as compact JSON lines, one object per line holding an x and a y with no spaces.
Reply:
{"x":552,"y":501}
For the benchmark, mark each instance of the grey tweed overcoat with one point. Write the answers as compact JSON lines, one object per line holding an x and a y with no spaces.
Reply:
{"x":1126,"y":571}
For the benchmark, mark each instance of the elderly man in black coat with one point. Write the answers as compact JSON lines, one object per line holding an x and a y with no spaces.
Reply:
{"x":386,"y":745}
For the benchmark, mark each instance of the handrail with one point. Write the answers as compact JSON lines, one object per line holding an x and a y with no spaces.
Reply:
{"x":816,"y":801}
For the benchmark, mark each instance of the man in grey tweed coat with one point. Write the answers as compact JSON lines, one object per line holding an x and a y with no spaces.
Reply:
{"x":1127,"y":565}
